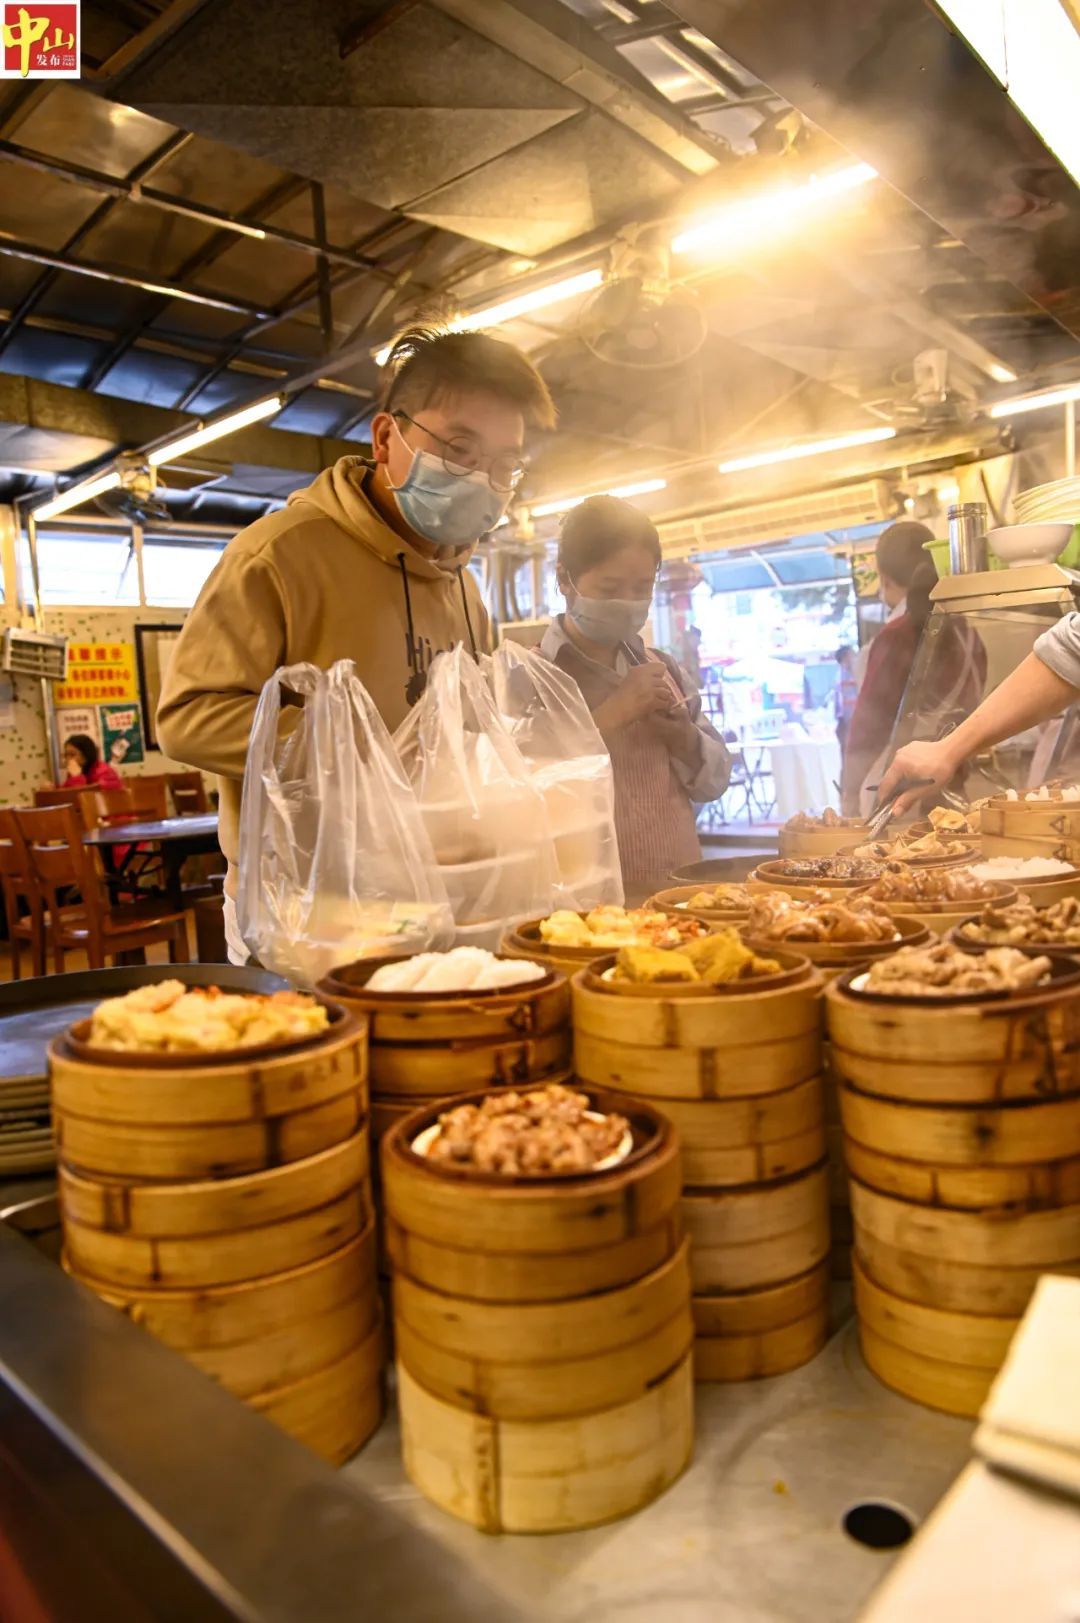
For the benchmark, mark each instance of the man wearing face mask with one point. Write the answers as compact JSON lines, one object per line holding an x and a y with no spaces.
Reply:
{"x":369,"y":563}
{"x":665,"y":755}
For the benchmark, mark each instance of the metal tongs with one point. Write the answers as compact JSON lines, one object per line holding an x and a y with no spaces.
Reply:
{"x":880,"y":818}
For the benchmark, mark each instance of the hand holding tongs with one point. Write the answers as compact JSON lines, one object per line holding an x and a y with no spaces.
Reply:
{"x":882,"y":816}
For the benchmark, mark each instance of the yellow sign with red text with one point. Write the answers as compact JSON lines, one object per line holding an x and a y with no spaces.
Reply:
{"x":98,"y":673}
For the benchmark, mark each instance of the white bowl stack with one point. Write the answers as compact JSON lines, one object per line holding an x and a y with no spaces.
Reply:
{"x":1057,"y":502}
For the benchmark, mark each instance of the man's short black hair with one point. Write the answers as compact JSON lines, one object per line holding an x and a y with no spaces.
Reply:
{"x":427,"y":364}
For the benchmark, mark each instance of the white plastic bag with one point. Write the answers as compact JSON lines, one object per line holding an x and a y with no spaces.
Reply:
{"x":335,"y":863}
{"x":485,"y":817}
{"x":552,"y":726}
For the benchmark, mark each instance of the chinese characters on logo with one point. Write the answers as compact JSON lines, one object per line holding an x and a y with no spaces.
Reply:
{"x":40,"y":40}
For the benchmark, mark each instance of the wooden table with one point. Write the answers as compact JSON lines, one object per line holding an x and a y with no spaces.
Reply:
{"x":177,"y":838}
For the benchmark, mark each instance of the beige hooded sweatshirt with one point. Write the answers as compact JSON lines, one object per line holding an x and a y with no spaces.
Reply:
{"x":319,"y":581}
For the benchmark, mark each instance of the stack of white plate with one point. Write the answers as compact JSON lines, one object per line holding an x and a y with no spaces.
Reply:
{"x":26,"y":1143}
{"x":1057,"y":502}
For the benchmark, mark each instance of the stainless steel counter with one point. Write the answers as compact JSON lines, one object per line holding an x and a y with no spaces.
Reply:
{"x":751,"y":1534}
{"x":111,"y":1443}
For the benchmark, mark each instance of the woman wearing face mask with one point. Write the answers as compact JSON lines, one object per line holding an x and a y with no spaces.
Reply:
{"x":664,"y":754}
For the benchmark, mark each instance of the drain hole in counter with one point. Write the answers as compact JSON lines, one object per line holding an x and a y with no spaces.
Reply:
{"x":878,"y":1525}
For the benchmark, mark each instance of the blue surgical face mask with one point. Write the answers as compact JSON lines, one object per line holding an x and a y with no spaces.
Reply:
{"x":447,"y":509}
{"x":608,"y":621}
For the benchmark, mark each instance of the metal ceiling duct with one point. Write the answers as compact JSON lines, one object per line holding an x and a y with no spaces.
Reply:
{"x":891,"y":82}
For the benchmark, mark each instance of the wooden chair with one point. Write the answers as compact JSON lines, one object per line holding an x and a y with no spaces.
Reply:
{"x":49,"y":843}
{"x":18,"y":890}
{"x":188,"y":792}
{"x":82,"y":799}
{"x":138,"y":800}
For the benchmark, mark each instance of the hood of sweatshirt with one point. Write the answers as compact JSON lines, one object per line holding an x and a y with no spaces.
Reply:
{"x":340,"y":493}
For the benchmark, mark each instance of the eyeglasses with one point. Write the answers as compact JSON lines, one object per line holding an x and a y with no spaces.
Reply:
{"x":459,"y":458}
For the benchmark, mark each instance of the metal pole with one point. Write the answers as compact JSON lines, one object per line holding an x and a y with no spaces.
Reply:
{"x":1070,"y":439}
{"x":136,"y":547}
{"x":52,"y":733}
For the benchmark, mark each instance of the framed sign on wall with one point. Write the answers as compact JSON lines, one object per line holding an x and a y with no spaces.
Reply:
{"x":153,"y":650}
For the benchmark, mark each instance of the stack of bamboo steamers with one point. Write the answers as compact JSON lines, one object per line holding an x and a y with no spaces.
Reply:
{"x":737,"y":1069}
{"x":226,"y":1207}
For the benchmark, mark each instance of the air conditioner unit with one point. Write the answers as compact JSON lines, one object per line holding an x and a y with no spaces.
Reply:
{"x":870,"y":501}
{"x":35,"y":653}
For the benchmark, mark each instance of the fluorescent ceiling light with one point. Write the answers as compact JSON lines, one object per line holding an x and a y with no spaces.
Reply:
{"x":1032,"y":49}
{"x":792,"y":453}
{"x":495,"y":315}
{"x":1036,"y":402}
{"x":214,"y":431}
{"x":643,"y":488}
{"x":770,"y":213}
{"x":1000,"y":372}
{"x":75,"y":495}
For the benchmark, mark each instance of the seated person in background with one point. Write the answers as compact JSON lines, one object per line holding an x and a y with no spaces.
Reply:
{"x":665,"y":755}
{"x":85,"y":768}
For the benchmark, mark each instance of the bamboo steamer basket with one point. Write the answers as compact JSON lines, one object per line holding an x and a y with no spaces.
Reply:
{"x":493,"y":1276}
{"x":1031,"y":828}
{"x":708,"y":1044}
{"x":842,"y":1231}
{"x":213,"y":1319}
{"x":546,"y":1361}
{"x":768,"y":874}
{"x":1023,"y":1141}
{"x":196,"y":1118}
{"x":557,"y":1216}
{"x":675,"y":900}
{"x":217,"y":1259}
{"x":833,"y":958}
{"x":957,"y":1051}
{"x":749,"y":1334}
{"x":800,"y":844}
{"x":941,"y":1359}
{"x":547,"y":1476}
{"x":335,"y":1409}
{"x":962,"y":854}
{"x":941,"y":917}
{"x":749,"y":1238}
{"x":432,"y":1045}
{"x":163,"y":1211}
{"x":1042,"y":892}
{"x":964,"y":1262}
{"x":527,"y":942}
{"x":750,"y":1140}
{"x":1023,"y":1188}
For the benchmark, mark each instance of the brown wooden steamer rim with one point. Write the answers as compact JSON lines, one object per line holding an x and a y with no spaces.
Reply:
{"x":793,"y":968}
{"x":1010,"y":1134}
{"x":438,"y":1069}
{"x":950,"y":1388}
{"x":276,"y":1085}
{"x":752,"y":1312}
{"x":149,"y":1154}
{"x":291,"y":1352}
{"x":969,"y":1341}
{"x":1003,"y":894}
{"x":759,"y":1139}
{"x":977,"y":1240}
{"x":720,"y":918}
{"x":80,"y":1046}
{"x":582,"y":1356}
{"x":965,"y":853}
{"x":800,"y":843}
{"x":1030,"y":1187}
{"x":336,"y":1409}
{"x":526,"y":1277}
{"x":526,"y":942}
{"x":767,"y":873}
{"x":840,"y":955}
{"x":729,"y":1070}
{"x":531,"y":1009}
{"x":223,"y":1316}
{"x":215,"y":1206}
{"x":1033,"y":949}
{"x":764,"y":1353}
{"x":736,"y":1016}
{"x":546,"y":1213}
{"x":550,"y":1475}
{"x":757,"y":1235}
{"x":218,"y":1259}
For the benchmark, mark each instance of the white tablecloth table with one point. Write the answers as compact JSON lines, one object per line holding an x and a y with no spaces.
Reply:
{"x":805,"y":773}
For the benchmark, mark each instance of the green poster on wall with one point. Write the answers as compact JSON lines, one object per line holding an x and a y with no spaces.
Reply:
{"x":121,"y":734}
